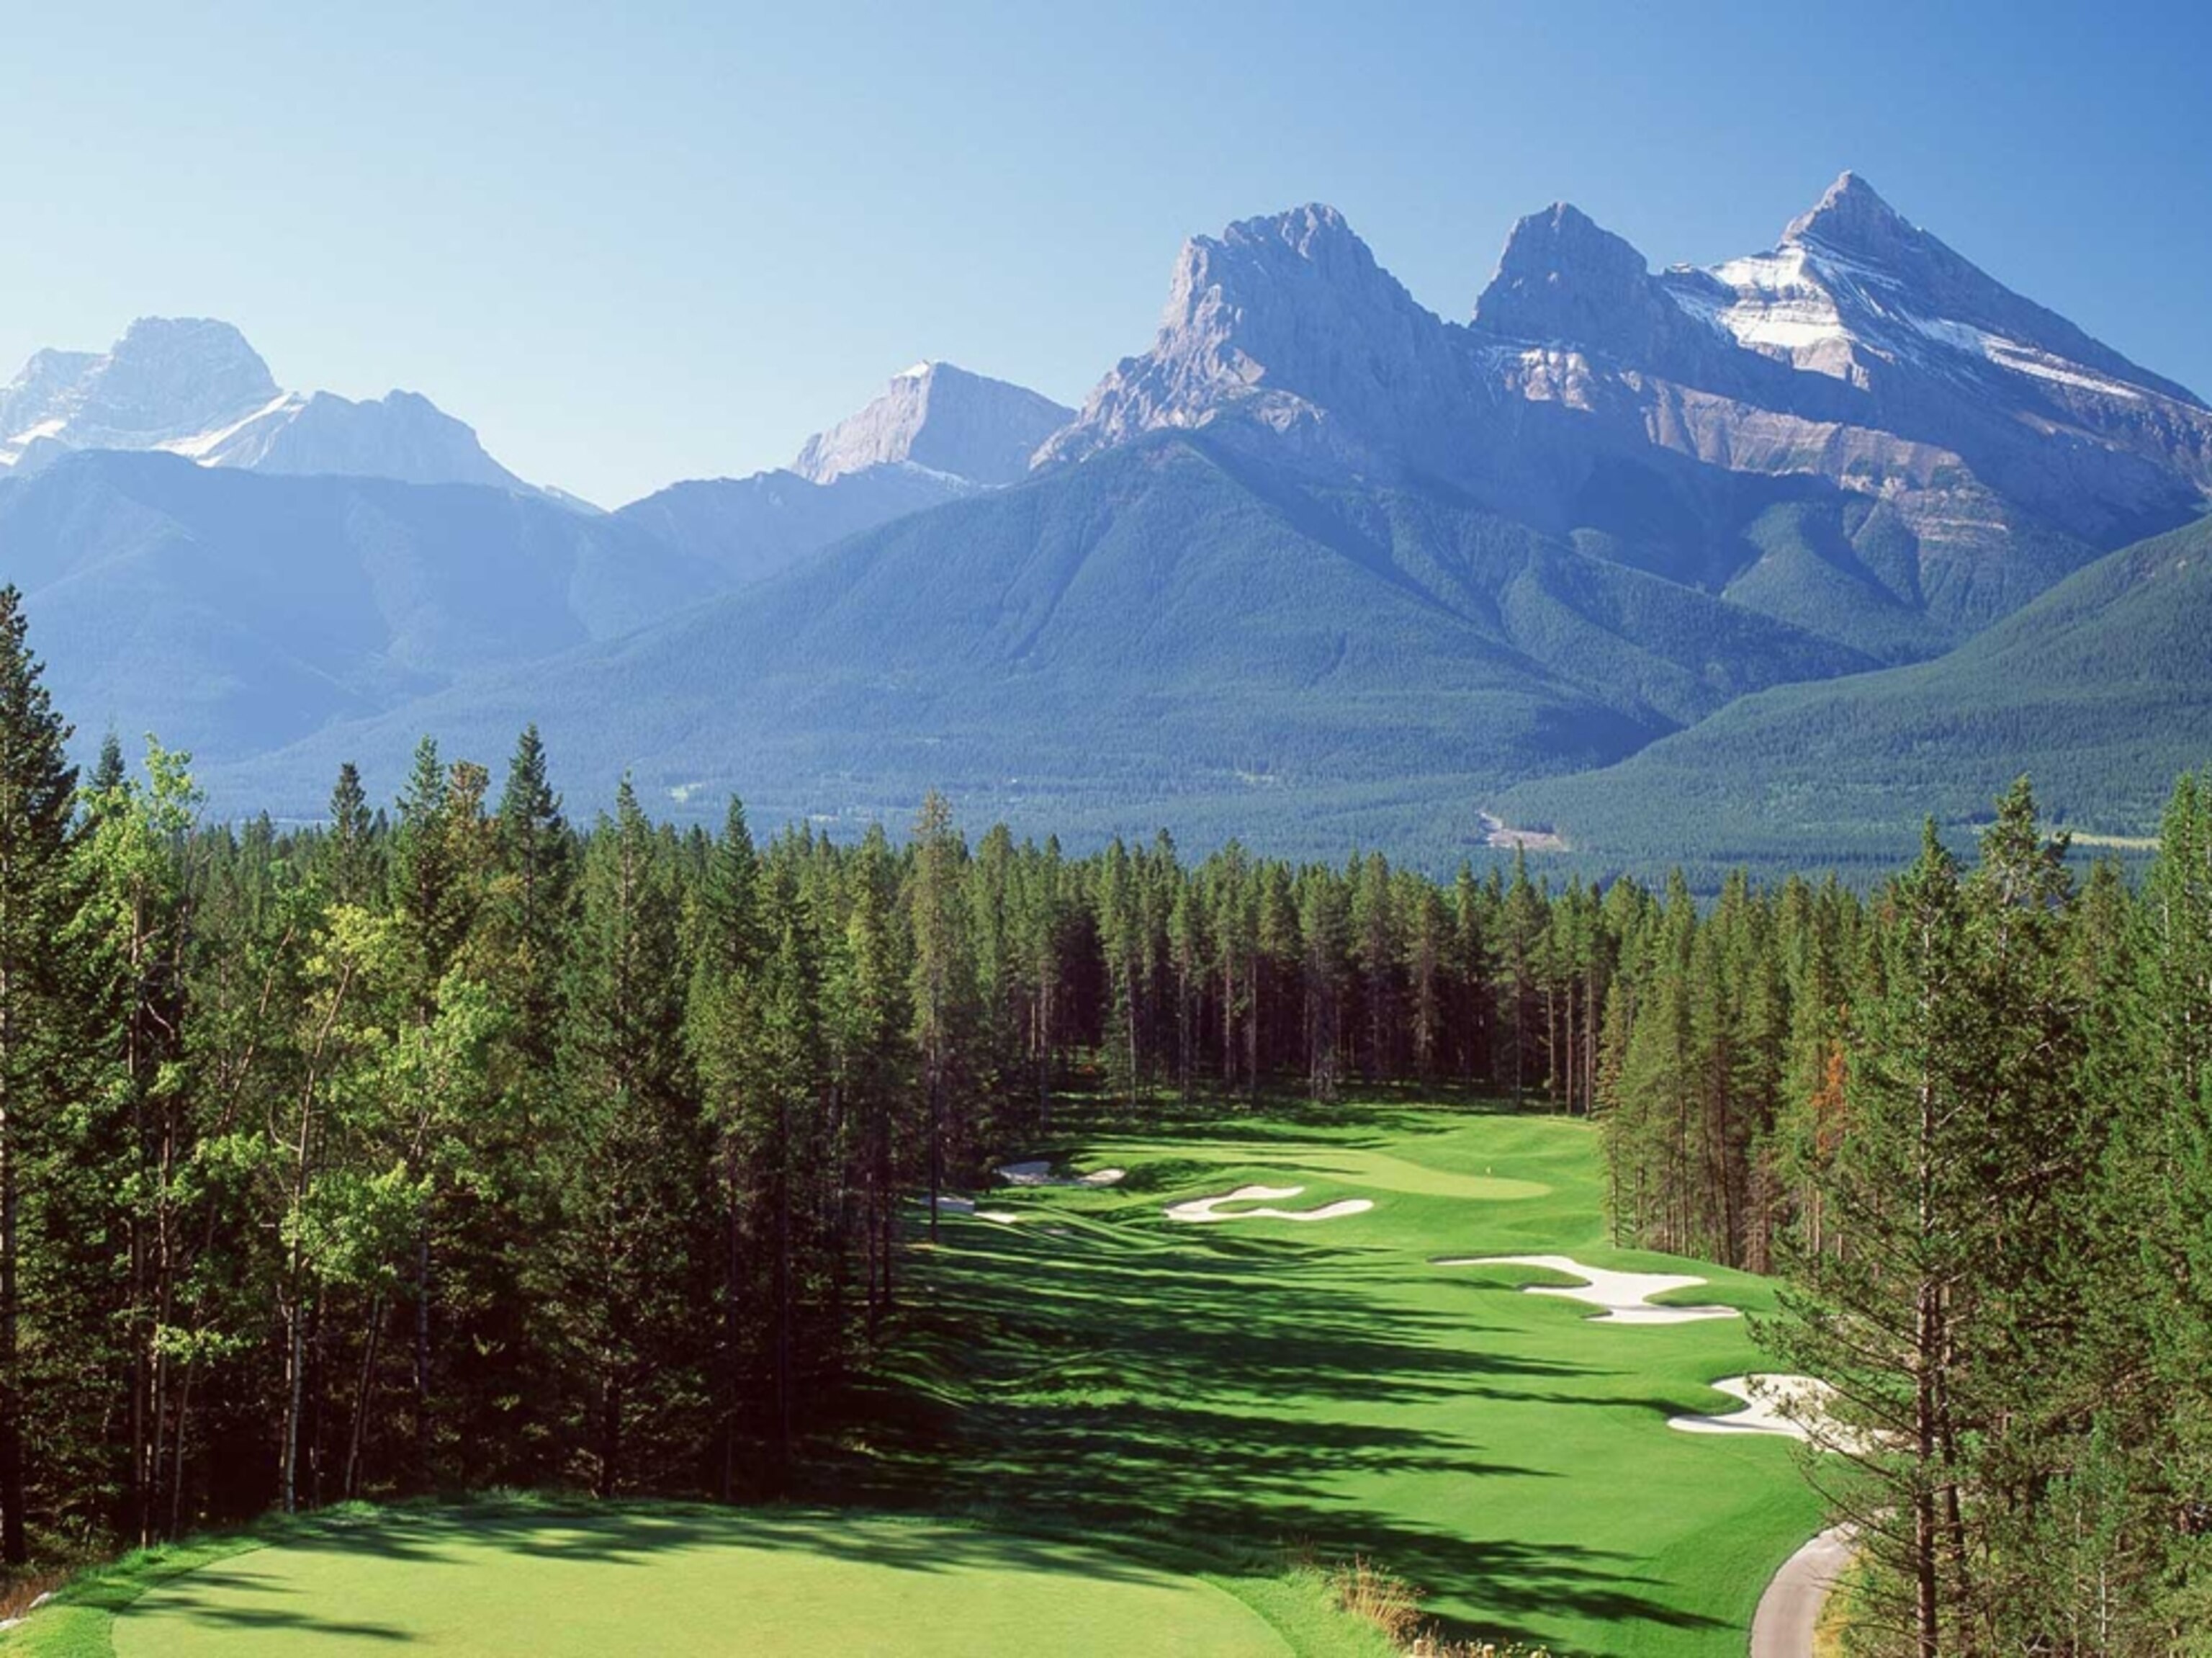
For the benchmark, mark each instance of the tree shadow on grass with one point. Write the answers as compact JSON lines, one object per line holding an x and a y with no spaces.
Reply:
{"x":176,"y":1604}
{"x":629,"y":1535}
{"x":1233,"y":1394}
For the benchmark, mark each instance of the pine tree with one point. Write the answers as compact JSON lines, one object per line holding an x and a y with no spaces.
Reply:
{"x":137,"y":1138}
{"x":351,"y":855}
{"x":1324,"y":923}
{"x":938,"y":974}
{"x":38,"y":897}
{"x":1959,"y":1178}
{"x":632,"y":1159}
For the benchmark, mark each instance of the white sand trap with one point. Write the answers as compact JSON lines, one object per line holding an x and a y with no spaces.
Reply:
{"x":967,"y":1206}
{"x":1626,"y":1296}
{"x":1208,"y":1208}
{"x":1040,"y":1174}
{"x":1793,"y":1406}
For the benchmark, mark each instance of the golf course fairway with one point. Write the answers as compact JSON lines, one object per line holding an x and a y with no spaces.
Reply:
{"x":1325,"y":1385}
{"x":1103,"y":1430}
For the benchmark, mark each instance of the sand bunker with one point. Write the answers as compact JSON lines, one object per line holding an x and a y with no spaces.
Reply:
{"x":1040,"y":1174}
{"x":1626,"y":1296}
{"x":1208,"y":1208}
{"x":1796,"y":1407}
{"x":967,"y":1206}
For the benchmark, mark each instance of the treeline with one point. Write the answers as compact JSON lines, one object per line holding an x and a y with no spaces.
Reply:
{"x":1970,"y":1119}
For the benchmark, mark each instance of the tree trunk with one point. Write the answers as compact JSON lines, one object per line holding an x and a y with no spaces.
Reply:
{"x":423,"y":1426}
{"x":14,"y":1543}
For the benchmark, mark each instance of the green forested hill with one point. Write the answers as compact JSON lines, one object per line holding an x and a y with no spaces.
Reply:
{"x":2101,"y":689}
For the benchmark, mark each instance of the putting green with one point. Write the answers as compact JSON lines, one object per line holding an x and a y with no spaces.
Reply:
{"x":684,"y":1584}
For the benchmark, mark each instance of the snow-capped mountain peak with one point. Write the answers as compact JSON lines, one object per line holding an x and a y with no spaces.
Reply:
{"x":193,"y":386}
{"x":1856,"y":291}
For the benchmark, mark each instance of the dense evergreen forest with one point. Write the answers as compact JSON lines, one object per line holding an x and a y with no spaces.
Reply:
{"x":451,"y":1145}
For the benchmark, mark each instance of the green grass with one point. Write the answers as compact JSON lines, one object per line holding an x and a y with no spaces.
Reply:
{"x":533,"y":1581}
{"x":1114,"y":1434}
{"x":1324,"y":1387}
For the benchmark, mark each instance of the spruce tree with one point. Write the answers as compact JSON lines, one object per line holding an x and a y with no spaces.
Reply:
{"x":351,"y":856}
{"x":38,"y":897}
{"x":630,"y":1155}
{"x":938,"y":976}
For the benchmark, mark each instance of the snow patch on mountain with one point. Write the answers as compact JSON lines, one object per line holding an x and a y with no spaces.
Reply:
{"x":193,"y":386}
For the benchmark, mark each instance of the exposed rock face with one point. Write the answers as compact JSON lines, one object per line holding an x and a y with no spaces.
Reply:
{"x":167,"y":379}
{"x":402,"y":435}
{"x":1860,"y":354}
{"x":941,"y":417}
{"x":1290,"y":324}
{"x":1563,"y":281}
{"x":193,"y":386}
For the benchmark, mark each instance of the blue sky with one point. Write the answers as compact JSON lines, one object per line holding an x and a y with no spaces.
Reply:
{"x":636,"y":243}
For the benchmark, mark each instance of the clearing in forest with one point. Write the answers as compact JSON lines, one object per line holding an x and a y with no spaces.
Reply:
{"x":1127,"y":1426}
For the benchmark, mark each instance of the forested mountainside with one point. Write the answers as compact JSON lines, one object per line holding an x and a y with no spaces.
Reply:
{"x":2094,"y":689}
{"x":1050,"y":648}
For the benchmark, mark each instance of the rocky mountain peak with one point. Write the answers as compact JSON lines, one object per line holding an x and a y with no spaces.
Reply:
{"x":1879,"y":271}
{"x":1851,"y":216}
{"x":940,"y":417}
{"x":165,"y":378}
{"x":193,"y":386}
{"x":1562,"y":277}
{"x":170,"y":375}
{"x":1310,"y":245}
{"x":1286,"y":320}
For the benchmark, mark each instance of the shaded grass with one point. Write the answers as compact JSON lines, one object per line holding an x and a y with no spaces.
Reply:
{"x":1263,"y":1382}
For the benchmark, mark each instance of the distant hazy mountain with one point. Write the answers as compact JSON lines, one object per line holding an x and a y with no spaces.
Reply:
{"x":235,"y":613}
{"x":232,"y":613}
{"x":750,"y":528}
{"x":1168,"y":626}
{"x":2101,"y":689}
{"x":941,"y":417}
{"x":937,"y":433}
{"x":193,"y":386}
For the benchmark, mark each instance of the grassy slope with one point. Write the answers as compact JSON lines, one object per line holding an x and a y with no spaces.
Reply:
{"x":2101,"y":689}
{"x":1267,"y":1382}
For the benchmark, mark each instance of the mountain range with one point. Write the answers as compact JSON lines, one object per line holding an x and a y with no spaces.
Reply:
{"x":193,"y":387}
{"x":1763,"y":558}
